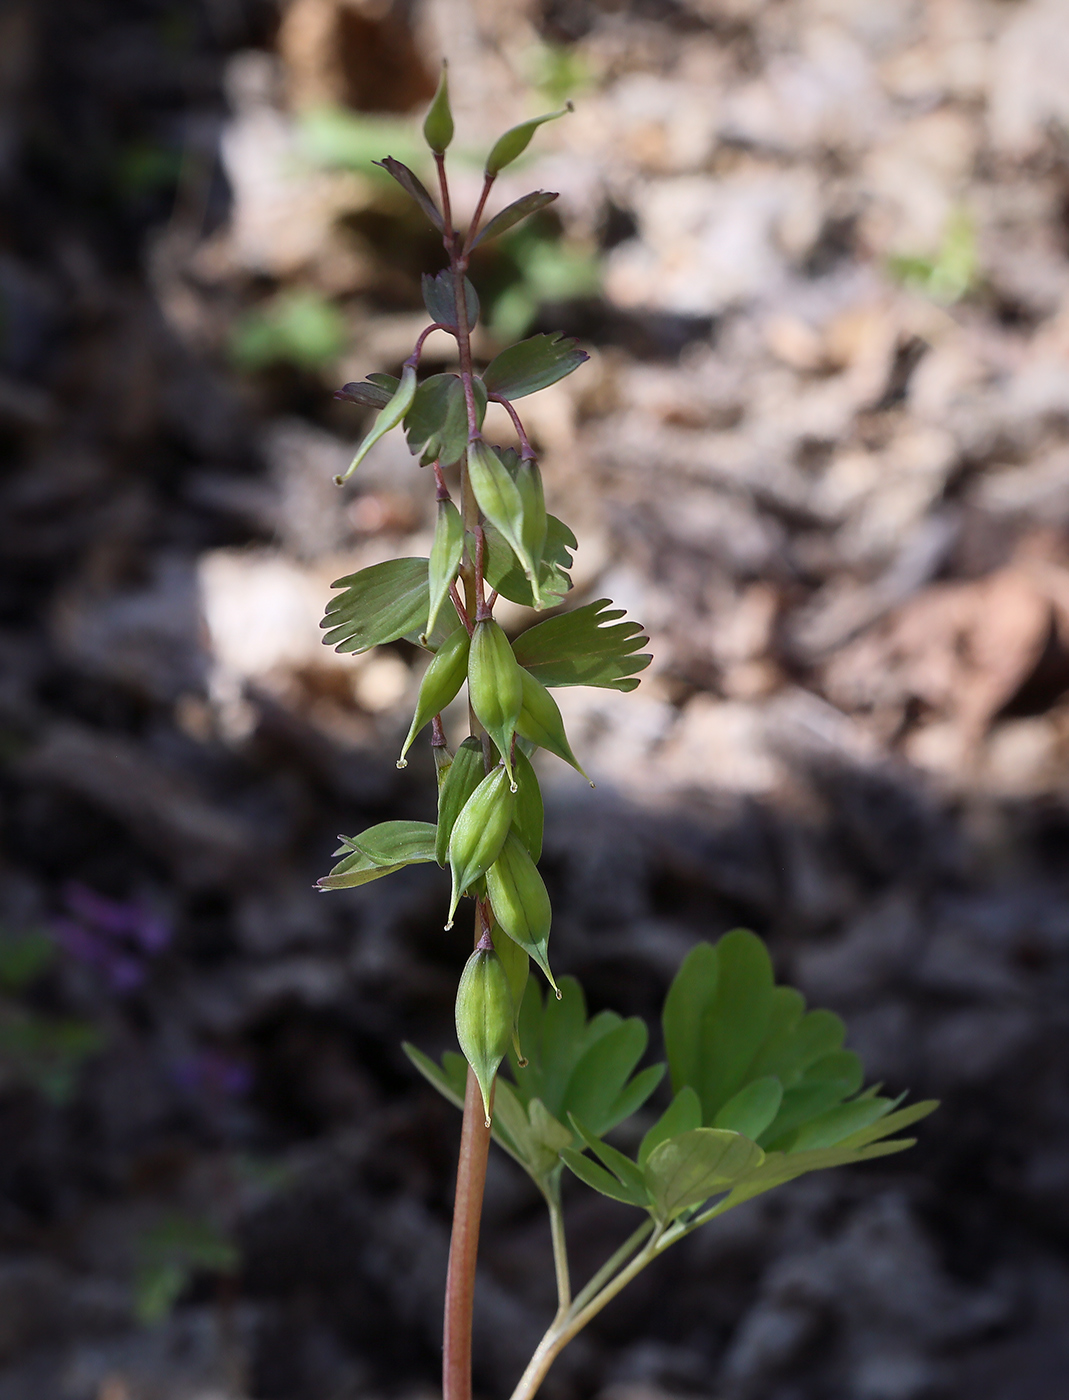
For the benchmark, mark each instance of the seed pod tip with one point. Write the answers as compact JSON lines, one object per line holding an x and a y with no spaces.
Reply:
{"x":402,"y":763}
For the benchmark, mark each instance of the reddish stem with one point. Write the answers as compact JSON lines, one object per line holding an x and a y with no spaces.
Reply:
{"x":475,"y":1133}
{"x":528,"y":451}
{"x":462,"y":612}
{"x":464,"y":1246}
{"x":413,"y":359}
{"x":473,"y":227}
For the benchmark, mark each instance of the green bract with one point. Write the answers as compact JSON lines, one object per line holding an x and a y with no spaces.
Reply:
{"x":411,"y":184}
{"x":380,"y":851}
{"x":532,"y":365}
{"x":577,"y":648}
{"x":512,"y":214}
{"x":388,"y":418}
{"x":378,"y":605}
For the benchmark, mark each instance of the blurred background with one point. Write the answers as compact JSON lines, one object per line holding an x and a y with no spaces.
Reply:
{"x":819,"y":253}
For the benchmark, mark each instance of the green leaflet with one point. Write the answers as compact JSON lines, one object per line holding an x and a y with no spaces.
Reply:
{"x":440,"y":685}
{"x":500,"y":500}
{"x":503,"y":571}
{"x":479,"y":832}
{"x":681,"y":1115}
{"x":686,"y":1170}
{"x":529,"y":819}
{"x":484,"y":1017}
{"x":495,"y":687}
{"x":368,"y":392}
{"x":520,"y":901}
{"x":540,"y":721}
{"x":380,"y":851}
{"x":439,"y":298}
{"x":577,"y":648}
{"x":752,"y":1109}
{"x":532,"y":365}
{"x":413,"y":186}
{"x":436,"y":424}
{"x":445,"y":558}
{"x":565,"y":1070}
{"x":462,"y":777}
{"x":515,"y":141}
{"x":388,"y":418}
{"x":512,"y":214}
{"x":438,"y":125}
{"x":378,"y":605}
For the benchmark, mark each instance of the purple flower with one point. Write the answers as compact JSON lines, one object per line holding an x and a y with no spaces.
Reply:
{"x":116,"y":938}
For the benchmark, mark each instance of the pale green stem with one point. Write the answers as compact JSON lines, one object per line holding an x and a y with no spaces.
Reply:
{"x":611,"y":1265}
{"x":560,"y":1248}
{"x":561,"y":1332}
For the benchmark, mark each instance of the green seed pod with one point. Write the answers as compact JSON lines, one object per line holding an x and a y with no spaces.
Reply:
{"x":517,"y":965}
{"x":485,"y":1016}
{"x":443,"y":761}
{"x":520,"y":901}
{"x":495,"y":686}
{"x":500,"y":499}
{"x":528,"y":480}
{"x":514,"y":142}
{"x":479,"y":833}
{"x":388,"y":418}
{"x":445,"y":558}
{"x":438,"y":126}
{"x":529,"y":819}
{"x":465,"y":774}
{"x":540,"y":721}
{"x":440,"y":685}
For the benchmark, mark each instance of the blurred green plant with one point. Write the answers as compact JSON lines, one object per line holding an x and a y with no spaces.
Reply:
{"x":558,"y":71}
{"x":340,"y":139}
{"x":44,"y":1053}
{"x":536,"y":265}
{"x":171,"y":1254}
{"x":297,"y":327}
{"x":952,"y":271}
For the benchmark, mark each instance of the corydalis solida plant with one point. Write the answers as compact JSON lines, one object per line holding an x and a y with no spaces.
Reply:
{"x":762,"y":1090}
